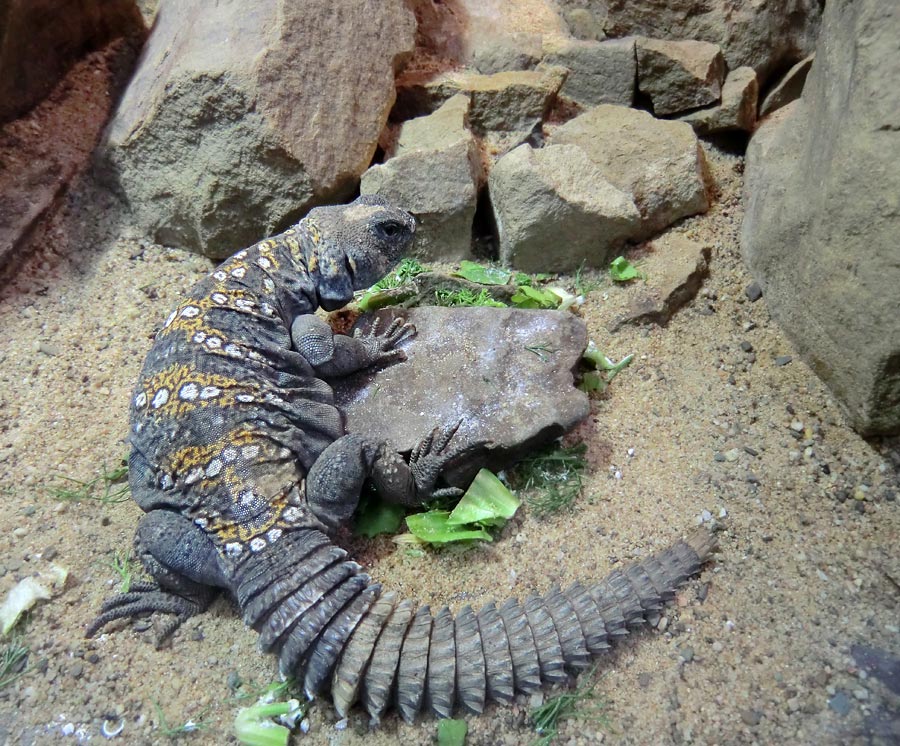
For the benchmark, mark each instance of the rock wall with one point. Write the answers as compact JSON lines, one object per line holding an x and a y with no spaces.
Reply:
{"x":822,"y":222}
{"x":41,"y":39}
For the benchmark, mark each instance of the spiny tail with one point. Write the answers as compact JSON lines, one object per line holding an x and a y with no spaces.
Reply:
{"x":328,"y":625}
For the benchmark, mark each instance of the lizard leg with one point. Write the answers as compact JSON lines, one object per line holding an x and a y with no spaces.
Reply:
{"x":334,"y":355}
{"x":184,"y":565}
{"x":335,"y":480}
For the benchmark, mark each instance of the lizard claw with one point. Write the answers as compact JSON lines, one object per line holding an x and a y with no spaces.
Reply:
{"x":382,"y":347}
{"x":433,"y":454}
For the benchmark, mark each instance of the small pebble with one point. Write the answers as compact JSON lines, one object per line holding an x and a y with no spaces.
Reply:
{"x":687,"y":654}
{"x":751,"y":451}
{"x":753,"y":292}
{"x":76,"y":670}
{"x":861,"y":694}
{"x":68,"y":729}
{"x":746,"y":346}
{"x":796,"y":426}
{"x":840,"y":703}
{"x":751,"y":717}
{"x":732,"y":455}
{"x":783,"y":360}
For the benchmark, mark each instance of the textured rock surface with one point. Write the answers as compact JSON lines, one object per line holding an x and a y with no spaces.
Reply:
{"x":555,"y":210}
{"x":660,"y":163}
{"x":788,"y":88}
{"x":41,"y":39}
{"x":737,"y":111}
{"x":599,"y":72}
{"x":218,"y":139}
{"x":515,"y":100}
{"x":674,"y":272}
{"x":434,"y":175}
{"x":822,"y":220}
{"x":766,"y":35}
{"x":495,"y":53}
{"x":679,"y":75}
{"x":474,"y":364}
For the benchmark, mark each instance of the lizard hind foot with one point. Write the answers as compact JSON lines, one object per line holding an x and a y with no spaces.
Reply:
{"x":147,"y":597}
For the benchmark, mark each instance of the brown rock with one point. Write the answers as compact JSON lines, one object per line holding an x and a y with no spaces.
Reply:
{"x":238,"y":120}
{"x":679,"y":75}
{"x":674,"y":273}
{"x":737,"y":111}
{"x":659,"y":162}
{"x":788,"y":88}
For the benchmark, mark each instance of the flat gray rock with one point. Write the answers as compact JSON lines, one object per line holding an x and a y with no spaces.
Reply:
{"x":506,"y":373}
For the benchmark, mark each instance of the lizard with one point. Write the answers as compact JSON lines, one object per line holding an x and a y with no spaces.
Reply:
{"x":240,"y":462}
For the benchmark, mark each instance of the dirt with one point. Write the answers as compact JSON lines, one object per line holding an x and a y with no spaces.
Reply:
{"x":758,"y":650}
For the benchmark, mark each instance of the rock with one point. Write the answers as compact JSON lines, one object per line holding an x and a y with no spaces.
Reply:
{"x":219,"y":138}
{"x":821,"y":224}
{"x":788,"y":88}
{"x":435,"y":175}
{"x":512,"y":101}
{"x":674,"y":271}
{"x":767,"y":36}
{"x":737,"y":111}
{"x":660,"y":163}
{"x":41,"y":39}
{"x":599,"y":72}
{"x":495,"y":53}
{"x":679,"y":75}
{"x":506,"y":373}
{"x":554,"y":210}
{"x":584,"y":25}
{"x":753,"y":292}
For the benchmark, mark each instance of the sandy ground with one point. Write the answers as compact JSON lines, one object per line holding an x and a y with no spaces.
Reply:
{"x":758,"y":650}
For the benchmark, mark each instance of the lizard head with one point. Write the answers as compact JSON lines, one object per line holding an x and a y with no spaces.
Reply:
{"x":351,"y":247}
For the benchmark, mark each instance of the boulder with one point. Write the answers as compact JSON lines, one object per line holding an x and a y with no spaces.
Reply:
{"x":495,"y":53}
{"x":659,"y":163}
{"x":41,"y":39}
{"x":674,"y":272}
{"x":512,"y":101}
{"x":239,"y":120}
{"x":788,"y":88}
{"x":554,"y":210}
{"x":822,"y":213}
{"x":767,"y":36}
{"x":599,"y":72}
{"x":506,"y":373}
{"x":435,"y":175}
{"x":679,"y":75}
{"x":737,"y":111}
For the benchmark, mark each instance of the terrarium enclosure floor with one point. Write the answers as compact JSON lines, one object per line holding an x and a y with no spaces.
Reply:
{"x":800,"y":577}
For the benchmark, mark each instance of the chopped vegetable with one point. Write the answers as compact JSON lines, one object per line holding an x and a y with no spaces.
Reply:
{"x":434,"y":527}
{"x":452,"y":732}
{"x":487,"y":499}
{"x":27,"y":592}
{"x":621,"y":270}
{"x":598,"y":381}
{"x":530,"y":297}
{"x":482,"y":275}
{"x":253,"y":725}
{"x":406,"y":270}
{"x":375,"y":517}
{"x":466,"y":297}
{"x":486,"y":504}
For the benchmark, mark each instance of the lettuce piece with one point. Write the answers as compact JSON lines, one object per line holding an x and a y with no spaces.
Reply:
{"x":433,"y":527}
{"x":486,"y":501}
{"x":621,"y":270}
{"x":474,"y":272}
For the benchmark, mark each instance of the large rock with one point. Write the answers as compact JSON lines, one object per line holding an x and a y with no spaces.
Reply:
{"x":788,"y":88}
{"x":660,"y":163}
{"x":41,"y":39}
{"x":554,"y":210}
{"x":767,"y":35}
{"x":679,"y":75}
{"x":599,"y":72}
{"x":434,"y":175}
{"x":506,"y":373}
{"x":239,"y":120}
{"x":823,"y":216}
{"x":737,"y":111}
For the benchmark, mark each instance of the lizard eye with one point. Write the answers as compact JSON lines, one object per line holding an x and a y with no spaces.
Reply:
{"x":390,"y":229}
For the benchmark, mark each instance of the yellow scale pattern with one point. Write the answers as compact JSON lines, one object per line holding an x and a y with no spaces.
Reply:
{"x":180,"y":388}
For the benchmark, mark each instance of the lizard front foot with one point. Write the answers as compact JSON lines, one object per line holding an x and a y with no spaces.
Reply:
{"x":382,"y":347}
